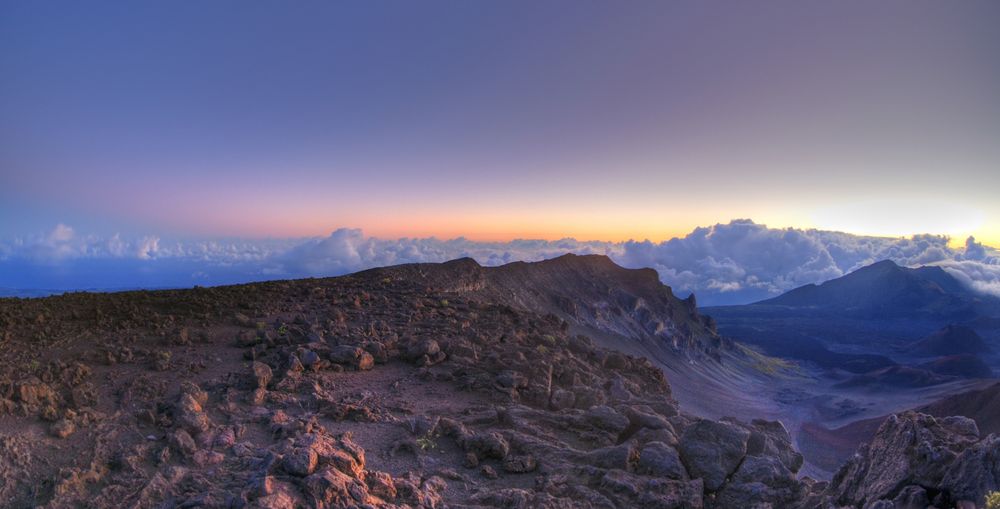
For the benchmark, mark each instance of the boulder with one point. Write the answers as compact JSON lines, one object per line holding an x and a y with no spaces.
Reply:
{"x":712,"y":450}
{"x":620,"y":457}
{"x":380,"y":484}
{"x":770,"y":438}
{"x":62,"y":428}
{"x":914,"y":449}
{"x":607,"y":419}
{"x":262,"y":374}
{"x":189,"y":415}
{"x":644,"y":417}
{"x":309,"y":359}
{"x":976,"y":471}
{"x":562,"y":399}
{"x":182,"y":442}
{"x":425,"y":352}
{"x":330,"y":488}
{"x":487,"y":445}
{"x":301,"y":461}
{"x":760,"y":481}
{"x":520,"y":464}
{"x":660,"y":460}
{"x":911,"y":497}
{"x":509,"y":379}
{"x":353,"y":356}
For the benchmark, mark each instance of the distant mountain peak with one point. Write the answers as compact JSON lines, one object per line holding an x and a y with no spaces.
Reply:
{"x":884,"y":264}
{"x":886,"y":288}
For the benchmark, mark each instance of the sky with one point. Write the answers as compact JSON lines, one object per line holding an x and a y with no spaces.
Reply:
{"x":267,"y":126}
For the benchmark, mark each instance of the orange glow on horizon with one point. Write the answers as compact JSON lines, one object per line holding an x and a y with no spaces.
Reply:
{"x":548,"y":223}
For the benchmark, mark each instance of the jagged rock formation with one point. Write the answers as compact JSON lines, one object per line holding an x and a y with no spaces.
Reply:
{"x":592,"y":293}
{"x":416,"y":386}
{"x":916,"y":460}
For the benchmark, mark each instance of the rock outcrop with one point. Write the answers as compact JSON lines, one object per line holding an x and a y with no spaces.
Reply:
{"x":916,"y":458}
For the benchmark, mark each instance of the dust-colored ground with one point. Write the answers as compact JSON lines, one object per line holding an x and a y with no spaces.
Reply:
{"x":390,"y":388}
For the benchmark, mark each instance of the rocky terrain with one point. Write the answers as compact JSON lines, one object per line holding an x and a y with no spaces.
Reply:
{"x":432,"y":386}
{"x":880,"y":340}
{"x":833,"y":447}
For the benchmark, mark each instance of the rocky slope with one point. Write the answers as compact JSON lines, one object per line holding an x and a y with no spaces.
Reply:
{"x":835,"y":446}
{"x":428,"y":386}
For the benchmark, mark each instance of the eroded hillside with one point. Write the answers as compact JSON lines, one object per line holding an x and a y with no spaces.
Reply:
{"x":415,"y":386}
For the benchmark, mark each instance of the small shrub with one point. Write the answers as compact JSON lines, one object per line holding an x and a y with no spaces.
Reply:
{"x":427,"y":442}
{"x":993,"y":500}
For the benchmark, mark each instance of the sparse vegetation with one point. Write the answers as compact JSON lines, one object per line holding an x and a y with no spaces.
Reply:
{"x":993,"y":500}
{"x":427,"y":442}
{"x":771,"y":366}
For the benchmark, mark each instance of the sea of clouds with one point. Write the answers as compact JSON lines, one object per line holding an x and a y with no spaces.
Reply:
{"x":730,"y":263}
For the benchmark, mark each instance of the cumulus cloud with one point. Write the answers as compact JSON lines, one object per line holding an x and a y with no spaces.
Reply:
{"x":742,"y":261}
{"x":347,"y":250}
{"x":736,"y":262}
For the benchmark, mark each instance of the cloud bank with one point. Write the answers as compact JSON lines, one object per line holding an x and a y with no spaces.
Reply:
{"x":743,"y":261}
{"x":726,"y":263}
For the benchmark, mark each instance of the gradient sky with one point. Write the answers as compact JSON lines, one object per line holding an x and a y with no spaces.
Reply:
{"x":497,"y":120}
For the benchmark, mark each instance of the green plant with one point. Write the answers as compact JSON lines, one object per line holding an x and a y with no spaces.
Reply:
{"x":426,"y":442}
{"x":771,"y":366}
{"x":993,"y":500}
{"x":283,"y":330}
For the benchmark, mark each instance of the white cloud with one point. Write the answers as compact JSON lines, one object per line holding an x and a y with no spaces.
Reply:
{"x":725,"y":263}
{"x":748,"y":260}
{"x":148,"y":247}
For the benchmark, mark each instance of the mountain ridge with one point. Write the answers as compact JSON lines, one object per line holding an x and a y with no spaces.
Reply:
{"x":885,"y":289}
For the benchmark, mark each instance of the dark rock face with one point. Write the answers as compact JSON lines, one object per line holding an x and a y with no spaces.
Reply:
{"x":770,"y":438}
{"x":761,"y":481}
{"x":976,"y":471}
{"x":661,"y":460}
{"x":914,"y":453}
{"x":712,"y":450}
